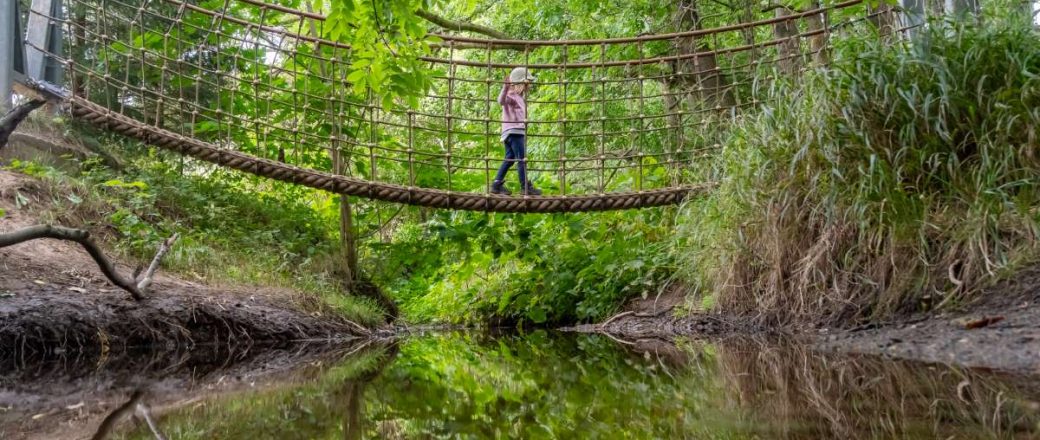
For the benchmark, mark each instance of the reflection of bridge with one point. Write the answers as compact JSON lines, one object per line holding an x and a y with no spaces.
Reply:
{"x":614,"y":123}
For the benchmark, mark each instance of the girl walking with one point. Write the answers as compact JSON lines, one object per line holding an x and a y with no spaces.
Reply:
{"x":514,"y":131}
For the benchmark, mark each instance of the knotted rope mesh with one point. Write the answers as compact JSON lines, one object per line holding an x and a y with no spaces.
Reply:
{"x":612,"y":124}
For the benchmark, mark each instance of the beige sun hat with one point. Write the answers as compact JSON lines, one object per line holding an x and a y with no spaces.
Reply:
{"x":520,"y":74}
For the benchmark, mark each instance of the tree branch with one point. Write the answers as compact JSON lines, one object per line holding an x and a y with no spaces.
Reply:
{"x":136,"y":287}
{"x":79,"y":236}
{"x":145,"y":413}
{"x":145,"y":279}
{"x":461,"y":26}
{"x":105,"y":428}
{"x":14,"y":117}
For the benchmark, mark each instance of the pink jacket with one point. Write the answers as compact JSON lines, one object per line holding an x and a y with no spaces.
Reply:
{"x":514,"y":110}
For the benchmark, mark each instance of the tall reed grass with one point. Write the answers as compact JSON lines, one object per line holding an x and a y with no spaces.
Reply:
{"x":904,"y":177}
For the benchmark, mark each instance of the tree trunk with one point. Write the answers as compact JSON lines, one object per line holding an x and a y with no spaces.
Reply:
{"x":788,"y":59}
{"x":883,"y":18}
{"x":353,"y":409}
{"x":10,"y":121}
{"x":79,"y":46}
{"x":671,"y":108}
{"x":818,"y":42}
{"x":699,"y":76}
{"x":348,"y":237}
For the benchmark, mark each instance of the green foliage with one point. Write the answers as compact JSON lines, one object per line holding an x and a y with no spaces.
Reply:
{"x":904,"y":178}
{"x":386,"y":40}
{"x":475,"y":268}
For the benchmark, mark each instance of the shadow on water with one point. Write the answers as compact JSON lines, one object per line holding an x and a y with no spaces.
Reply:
{"x":548,"y":385}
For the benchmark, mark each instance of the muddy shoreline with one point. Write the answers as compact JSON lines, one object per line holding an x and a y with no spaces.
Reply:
{"x":999,"y":331}
{"x":48,"y":313}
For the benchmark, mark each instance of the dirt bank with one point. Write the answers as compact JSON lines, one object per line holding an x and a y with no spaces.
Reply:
{"x":1000,"y":331}
{"x":54,"y":302}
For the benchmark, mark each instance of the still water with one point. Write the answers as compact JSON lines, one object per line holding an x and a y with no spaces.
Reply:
{"x":540,"y":385}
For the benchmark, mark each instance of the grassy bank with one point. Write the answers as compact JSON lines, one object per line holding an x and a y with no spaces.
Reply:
{"x":901,"y":179}
{"x":234,"y":230}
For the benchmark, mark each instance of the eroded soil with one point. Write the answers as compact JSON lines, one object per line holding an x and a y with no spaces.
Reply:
{"x":1000,"y":332}
{"x":55,"y":303}
{"x":968,"y":337}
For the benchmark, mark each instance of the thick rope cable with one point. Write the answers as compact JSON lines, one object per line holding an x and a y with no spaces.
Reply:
{"x":339,"y":184}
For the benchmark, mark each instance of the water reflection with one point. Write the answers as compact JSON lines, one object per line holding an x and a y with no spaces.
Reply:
{"x":546,"y":385}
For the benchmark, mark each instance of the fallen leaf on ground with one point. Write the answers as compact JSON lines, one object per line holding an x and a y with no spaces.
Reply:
{"x":974,"y":323}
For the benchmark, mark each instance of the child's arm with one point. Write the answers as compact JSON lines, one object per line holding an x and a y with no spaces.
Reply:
{"x":503,"y":96}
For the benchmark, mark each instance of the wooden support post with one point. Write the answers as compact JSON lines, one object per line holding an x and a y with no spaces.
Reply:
{"x":349,"y":239}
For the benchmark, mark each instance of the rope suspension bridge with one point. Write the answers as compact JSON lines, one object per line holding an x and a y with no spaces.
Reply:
{"x":617,"y":123}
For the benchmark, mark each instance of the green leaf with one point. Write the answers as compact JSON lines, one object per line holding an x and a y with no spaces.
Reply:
{"x":537,"y":315}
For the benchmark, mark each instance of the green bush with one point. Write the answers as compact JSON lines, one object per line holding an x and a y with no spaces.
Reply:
{"x":542,"y":269}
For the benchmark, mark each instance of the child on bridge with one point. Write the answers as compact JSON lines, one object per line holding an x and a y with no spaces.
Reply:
{"x":514,"y":131}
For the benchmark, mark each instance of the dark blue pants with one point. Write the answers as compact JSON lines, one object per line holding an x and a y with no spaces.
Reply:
{"x":516,"y":151}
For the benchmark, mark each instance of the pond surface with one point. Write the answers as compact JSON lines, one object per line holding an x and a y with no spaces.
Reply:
{"x":552,"y":385}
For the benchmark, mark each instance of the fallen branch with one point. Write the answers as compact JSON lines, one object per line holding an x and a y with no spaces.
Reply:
{"x":79,"y":236}
{"x":145,"y":413}
{"x":145,"y":279}
{"x":14,"y":117}
{"x":360,"y":328}
{"x":136,"y":287}
{"x":618,"y":340}
{"x":612,"y":318}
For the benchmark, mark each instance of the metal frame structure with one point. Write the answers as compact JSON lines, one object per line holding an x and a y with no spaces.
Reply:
{"x":22,"y":61}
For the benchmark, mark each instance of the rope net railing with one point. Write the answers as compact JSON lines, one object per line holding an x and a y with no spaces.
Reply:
{"x":612,"y":124}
